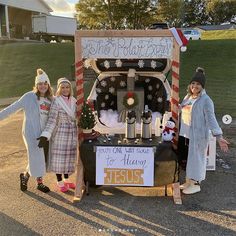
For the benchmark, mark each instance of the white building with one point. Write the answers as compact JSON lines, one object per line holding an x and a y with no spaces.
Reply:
{"x":15,"y":16}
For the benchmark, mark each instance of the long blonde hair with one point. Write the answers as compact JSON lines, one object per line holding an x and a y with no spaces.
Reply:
{"x":189,"y":92}
{"x":58,"y":92}
{"x":48,"y":94}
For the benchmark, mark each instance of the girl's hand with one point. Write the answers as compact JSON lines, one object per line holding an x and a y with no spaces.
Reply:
{"x":223,"y":144}
{"x":42,"y":141}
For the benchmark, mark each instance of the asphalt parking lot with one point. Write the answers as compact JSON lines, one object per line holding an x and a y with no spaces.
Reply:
{"x":107,"y":210}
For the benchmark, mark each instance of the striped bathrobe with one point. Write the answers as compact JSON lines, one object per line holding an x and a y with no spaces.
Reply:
{"x":61,"y":130}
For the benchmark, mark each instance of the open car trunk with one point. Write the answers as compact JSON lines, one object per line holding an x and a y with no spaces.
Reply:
{"x":148,"y":82}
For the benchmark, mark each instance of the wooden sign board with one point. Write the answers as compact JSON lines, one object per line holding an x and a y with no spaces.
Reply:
{"x":126,"y":47}
{"x":130,"y":166}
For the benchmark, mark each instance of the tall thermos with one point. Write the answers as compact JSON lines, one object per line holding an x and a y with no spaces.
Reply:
{"x":158,"y":127}
{"x":165,"y":118}
{"x":146,"y":123}
{"x":130,"y":125}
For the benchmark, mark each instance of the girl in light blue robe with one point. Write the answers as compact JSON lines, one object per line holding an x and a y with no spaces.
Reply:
{"x":36,"y":106}
{"x":197,"y":119}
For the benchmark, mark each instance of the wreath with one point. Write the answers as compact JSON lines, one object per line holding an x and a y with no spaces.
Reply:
{"x":130,"y":100}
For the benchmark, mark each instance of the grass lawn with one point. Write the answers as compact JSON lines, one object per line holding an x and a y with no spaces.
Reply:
{"x":218,"y":34}
{"x":19,"y":61}
{"x":218,"y":58}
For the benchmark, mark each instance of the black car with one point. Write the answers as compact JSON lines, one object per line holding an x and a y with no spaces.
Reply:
{"x":159,"y":26}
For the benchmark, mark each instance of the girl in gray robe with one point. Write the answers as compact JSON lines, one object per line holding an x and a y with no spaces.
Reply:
{"x":36,"y":106}
{"x":197,"y":118}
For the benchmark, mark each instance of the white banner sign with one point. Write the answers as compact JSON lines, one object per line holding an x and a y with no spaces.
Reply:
{"x":136,"y":47}
{"x":132,"y":166}
{"x":211,"y":154}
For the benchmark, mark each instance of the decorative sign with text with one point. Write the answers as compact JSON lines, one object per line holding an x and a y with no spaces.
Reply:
{"x":132,"y":166}
{"x":125,"y":47}
{"x":211,"y":154}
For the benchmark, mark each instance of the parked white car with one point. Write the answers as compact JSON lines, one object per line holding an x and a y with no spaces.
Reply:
{"x":192,"y":34}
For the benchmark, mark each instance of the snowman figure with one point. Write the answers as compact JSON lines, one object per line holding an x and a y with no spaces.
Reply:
{"x":168,"y":132}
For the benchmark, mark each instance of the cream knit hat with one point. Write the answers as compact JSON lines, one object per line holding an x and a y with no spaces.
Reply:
{"x":62,"y":80}
{"x":41,"y":77}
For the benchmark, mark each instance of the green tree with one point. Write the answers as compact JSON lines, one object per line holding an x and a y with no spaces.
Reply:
{"x":91,"y":14}
{"x":221,"y":10}
{"x":87,"y":118}
{"x":142,"y":13}
{"x":170,"y":12}
{"x":116,"y":14}
{"x":194,"y":13}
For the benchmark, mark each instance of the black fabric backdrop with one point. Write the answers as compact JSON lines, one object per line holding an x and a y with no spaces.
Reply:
{"x":154,"y":92}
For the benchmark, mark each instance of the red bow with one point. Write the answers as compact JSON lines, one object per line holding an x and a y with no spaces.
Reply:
{"x":130,"y":94}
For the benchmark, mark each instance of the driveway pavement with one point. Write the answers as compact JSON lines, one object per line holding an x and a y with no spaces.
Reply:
{"x":110,"y":211}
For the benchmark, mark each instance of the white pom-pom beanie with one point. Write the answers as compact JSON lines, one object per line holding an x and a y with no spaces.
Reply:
{"x":41,"y":77}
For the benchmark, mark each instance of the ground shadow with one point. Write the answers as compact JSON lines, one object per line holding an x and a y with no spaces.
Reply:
{"x":9,"y":226}
{"x":152,"y":215}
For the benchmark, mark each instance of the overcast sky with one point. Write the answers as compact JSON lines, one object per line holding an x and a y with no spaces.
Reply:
{"x":62,"y":7}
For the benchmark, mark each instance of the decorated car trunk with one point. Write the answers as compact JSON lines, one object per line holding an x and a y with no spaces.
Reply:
{"x":129,"y":84}
{"x":131,"y":96}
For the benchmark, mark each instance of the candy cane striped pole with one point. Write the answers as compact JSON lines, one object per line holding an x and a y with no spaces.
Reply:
{"x":79,"y":85}
{"x":80,"y":99}
{"x":175,"y":89}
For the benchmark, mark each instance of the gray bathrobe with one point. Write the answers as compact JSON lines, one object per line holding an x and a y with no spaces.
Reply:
{"x":202,"y":120}
{"x":31,"y":130}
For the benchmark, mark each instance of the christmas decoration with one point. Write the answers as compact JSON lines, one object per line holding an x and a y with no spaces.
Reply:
{"x":107,"y":64}
{"x":87,"y":63}
{"x":120,"y":82}
{"x":104,"y":83}
{"x":111,"y":90}
{"x":87,"y":118}
{"x":141,"y":63}
{"x":149,"y":96}
{"x":118,"y":63}
{"x":153,"y":64}
{"x":130,"y":100}
{"x":98,"y":90}
{"x":180,"y":38}
{"x":168,"y":132}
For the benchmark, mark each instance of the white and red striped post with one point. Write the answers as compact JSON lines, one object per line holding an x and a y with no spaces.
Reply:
{"x":79,"y":68}
{"x":175,"y":108}
{"x":175,"y":89}
{"x":79,"y":85}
